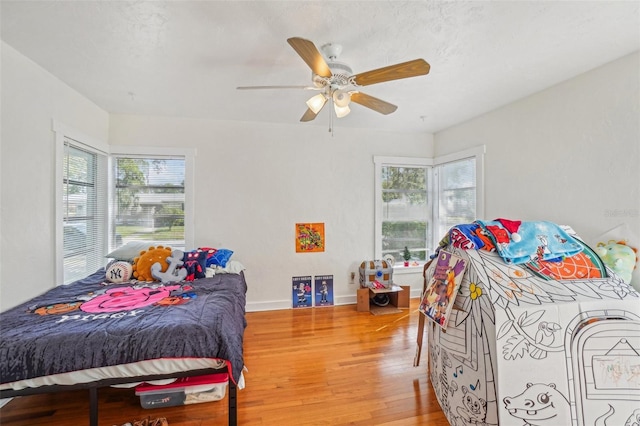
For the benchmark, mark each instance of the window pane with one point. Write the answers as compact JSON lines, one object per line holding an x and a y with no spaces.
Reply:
{"x":458,"y":174}
{"x":456,"y":194}
{"x":149,"y":200}
{"x":82,"y":216}
{"x":405,"y":211}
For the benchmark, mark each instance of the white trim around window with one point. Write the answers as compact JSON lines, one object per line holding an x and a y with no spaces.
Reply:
{"x":62,"y":132}
{"x":379,"y":161}
{"x":477,"y":153}
{"x":189,"y":155}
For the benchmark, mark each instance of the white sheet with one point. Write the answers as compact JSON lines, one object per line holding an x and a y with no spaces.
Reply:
{"x":141,"y":368}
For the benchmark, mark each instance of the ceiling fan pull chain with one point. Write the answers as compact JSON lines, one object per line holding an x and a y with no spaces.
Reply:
{"x":331,"y":120}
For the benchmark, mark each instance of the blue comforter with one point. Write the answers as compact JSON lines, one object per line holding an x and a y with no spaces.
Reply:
{"x":89,"y":324}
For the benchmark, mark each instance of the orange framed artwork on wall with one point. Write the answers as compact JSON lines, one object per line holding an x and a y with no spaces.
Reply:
{"x":309,"y":237}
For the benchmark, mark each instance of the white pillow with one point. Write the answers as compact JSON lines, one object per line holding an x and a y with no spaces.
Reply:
{"x":233,"y":267}
{"x":130,"y":250}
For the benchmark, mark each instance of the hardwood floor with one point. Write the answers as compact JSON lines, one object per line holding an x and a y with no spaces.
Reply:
{"x":316,"y":366}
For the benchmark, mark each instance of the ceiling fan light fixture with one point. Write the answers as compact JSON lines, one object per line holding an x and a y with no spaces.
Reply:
{"x":341,"y":111}
{"x":341,"y":98}
{"x":315,"y":103}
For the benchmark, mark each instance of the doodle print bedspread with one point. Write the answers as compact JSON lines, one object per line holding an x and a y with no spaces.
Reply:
{"x":88,"y":324}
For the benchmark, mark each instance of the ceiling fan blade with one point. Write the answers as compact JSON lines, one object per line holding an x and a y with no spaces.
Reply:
{"x":310,"y":54}
{"x":393,"y":72}
{"x":374,"y":103}
{"x":275,"y":87}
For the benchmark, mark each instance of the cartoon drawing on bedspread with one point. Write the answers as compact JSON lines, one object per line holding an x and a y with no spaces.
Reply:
{"x":539,"y":405}
{"x":543,"y":248}
{"x":178,"y":299}
{"x":126,"y":299}
{"x":120,"y":299}
{"x":56,"y":308}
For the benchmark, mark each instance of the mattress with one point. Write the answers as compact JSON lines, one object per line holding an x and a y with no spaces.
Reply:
{"x":134,"y":369}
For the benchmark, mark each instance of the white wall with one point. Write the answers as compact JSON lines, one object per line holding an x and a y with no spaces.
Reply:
{"x":31,"y":98}
{"x":569,"y":154}
{"x":254,"y":182}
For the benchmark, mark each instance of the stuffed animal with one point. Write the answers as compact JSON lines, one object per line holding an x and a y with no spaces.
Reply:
{"x":174,"y":272}
{"x":619,"y":257}
{"x":142,"y":264}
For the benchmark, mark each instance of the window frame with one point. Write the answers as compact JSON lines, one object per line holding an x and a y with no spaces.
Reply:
{"x":432,"y":190}
{"x":159,"y":152}
{"x":478,"y":154}
{"x":88,"y":143}
{"x":383,"y":161}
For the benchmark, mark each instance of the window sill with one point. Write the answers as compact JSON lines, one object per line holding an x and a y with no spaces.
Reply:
{"x":408,"y":269}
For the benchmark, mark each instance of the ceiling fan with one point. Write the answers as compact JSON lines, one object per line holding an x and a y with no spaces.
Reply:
{"x":336,"y":82}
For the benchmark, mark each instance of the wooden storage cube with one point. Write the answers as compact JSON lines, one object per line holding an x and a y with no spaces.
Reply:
{"x":398,"y":299}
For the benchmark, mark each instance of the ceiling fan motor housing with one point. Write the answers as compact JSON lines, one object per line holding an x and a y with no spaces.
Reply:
{"x":340,"y":68}
{"x":340,"y":75}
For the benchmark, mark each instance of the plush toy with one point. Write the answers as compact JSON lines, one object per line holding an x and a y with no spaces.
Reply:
{"x":119,"y":272}
{"x":142,"y":264}
{"x":619,"y":257}
{"x":173,"y":272}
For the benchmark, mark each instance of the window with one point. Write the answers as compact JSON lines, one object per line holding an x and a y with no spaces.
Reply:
{"x":455,"y":184}
{"x":149,"y":200}
{"x":83,"y":219}
{"x":82,"y":200}
{"x":419,"y":199}
{"x":403,"y":206}
{"x":108,"y":195}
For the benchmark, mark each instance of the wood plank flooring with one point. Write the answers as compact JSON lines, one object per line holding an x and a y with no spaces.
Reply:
{"x":314,"y":366}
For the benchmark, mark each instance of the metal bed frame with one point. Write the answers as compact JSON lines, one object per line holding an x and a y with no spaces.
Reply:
{"x":94,"y":386}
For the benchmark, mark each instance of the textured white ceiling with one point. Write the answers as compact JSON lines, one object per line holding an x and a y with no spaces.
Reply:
{"x":186,"y":58}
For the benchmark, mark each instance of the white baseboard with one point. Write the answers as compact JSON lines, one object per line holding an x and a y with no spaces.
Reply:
{"x":274,"y":305}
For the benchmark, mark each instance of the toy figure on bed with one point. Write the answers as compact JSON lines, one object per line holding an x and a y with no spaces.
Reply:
{"x":195,"y":262}
{"x":618,"y":256}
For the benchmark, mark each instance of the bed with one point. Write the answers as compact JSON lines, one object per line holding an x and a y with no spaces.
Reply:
{"x":92,"y":334}
{"x":535,"y":342}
